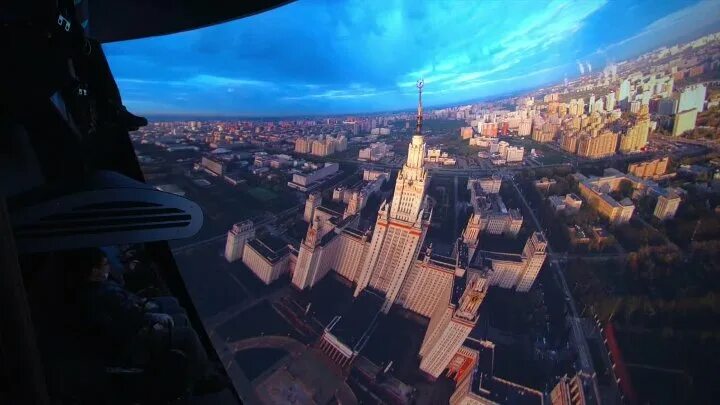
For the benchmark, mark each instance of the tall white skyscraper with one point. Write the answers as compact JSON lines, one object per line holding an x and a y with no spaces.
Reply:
{"x":624,"y":91}
{"x":237,"y":236}
{"x":401,"y":224}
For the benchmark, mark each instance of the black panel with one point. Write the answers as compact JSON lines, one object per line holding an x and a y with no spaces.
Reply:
{"x":120,"y":20}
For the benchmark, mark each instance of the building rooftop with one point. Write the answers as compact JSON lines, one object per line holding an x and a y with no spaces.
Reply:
{"x":498,"y":390}
{"x":510,"y":257}
{"x":439,"y":260}
{"x":573,"y":197}
{"x":270,"y":247}
{"x":331,"y":208}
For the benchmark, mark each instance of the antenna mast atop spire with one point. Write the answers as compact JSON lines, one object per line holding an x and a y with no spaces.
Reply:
{"x":418,"y":126}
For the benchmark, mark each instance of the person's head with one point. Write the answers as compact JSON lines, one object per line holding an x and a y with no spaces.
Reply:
{"x":99,"y":268}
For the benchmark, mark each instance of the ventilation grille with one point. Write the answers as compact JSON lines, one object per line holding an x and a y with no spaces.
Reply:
{"x":106,"y":217}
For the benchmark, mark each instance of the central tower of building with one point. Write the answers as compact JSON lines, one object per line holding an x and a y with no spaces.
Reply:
{"x":401,"y":224}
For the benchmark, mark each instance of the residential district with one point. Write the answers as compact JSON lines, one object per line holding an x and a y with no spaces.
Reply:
{"x":509,"y":251}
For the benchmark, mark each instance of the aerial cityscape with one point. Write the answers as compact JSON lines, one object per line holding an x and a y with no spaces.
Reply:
{"x":556,"y":245}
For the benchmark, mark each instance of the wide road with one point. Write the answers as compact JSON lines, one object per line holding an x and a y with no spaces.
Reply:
{"x":578,"y":336}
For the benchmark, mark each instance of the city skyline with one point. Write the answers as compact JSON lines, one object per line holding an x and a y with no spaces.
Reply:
{"x":402,"y":249}
{"x":364,"y":59}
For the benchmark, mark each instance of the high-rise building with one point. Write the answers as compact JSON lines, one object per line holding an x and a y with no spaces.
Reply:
{"x":401,"y":225}
{"x":466,"y":132}
{"x":624,"y":92}
{"x":636,"y":135}
{"x":488,"y":129}
{"x":524,"y":127}
{"x":341,"y":143}
{"x":302,"y":145}
{"x":610,"y":101}
{"x":573,"y":108}
{"x":322,"y":146}
{"x":581,"y":106}
{"x":667,"y":106}
{"x":451,"y":322}
{"x":237,"y":236}
{"x":540,"y":135}
{"x":598,"y":105}
{"x":313,"y":201}
{"x":684,"y":121}
{"x":692,"y":97}
{"x":666,"y":206}
{"x":597,"y":146}
{"x":569,"y":142}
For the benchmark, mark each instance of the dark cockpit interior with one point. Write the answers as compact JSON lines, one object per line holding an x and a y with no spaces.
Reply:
{"x":94,"y":309}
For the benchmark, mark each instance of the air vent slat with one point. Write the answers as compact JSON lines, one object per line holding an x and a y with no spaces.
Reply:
{"x":116,"y":205}
{"x":107,"y":222}
{"x":72,"y":232}
{"x":113,"y":213}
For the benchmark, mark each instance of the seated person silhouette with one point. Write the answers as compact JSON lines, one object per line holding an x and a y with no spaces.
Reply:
{"x":142,"y":329}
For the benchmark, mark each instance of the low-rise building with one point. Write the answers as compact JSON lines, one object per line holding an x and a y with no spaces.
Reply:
{"x":650,"y":169}
{"x":267,"y":257}
{"x":309,"y":181}
{"x":472,"y":368}
{"x":544,"y":184}
{"x":596,"y":191}
{"x":568,"y":204}
{"x":489,"y":210}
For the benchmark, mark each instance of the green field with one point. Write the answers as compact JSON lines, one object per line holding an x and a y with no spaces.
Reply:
{"x":550,"y":155}
{"x":262,"y":194}
{"x":437,"y":125}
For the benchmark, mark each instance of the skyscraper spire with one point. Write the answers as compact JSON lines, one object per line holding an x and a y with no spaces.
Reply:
{"x":418,"y":126}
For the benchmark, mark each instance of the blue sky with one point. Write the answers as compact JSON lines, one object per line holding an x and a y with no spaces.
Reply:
{"x":337,"y":57}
